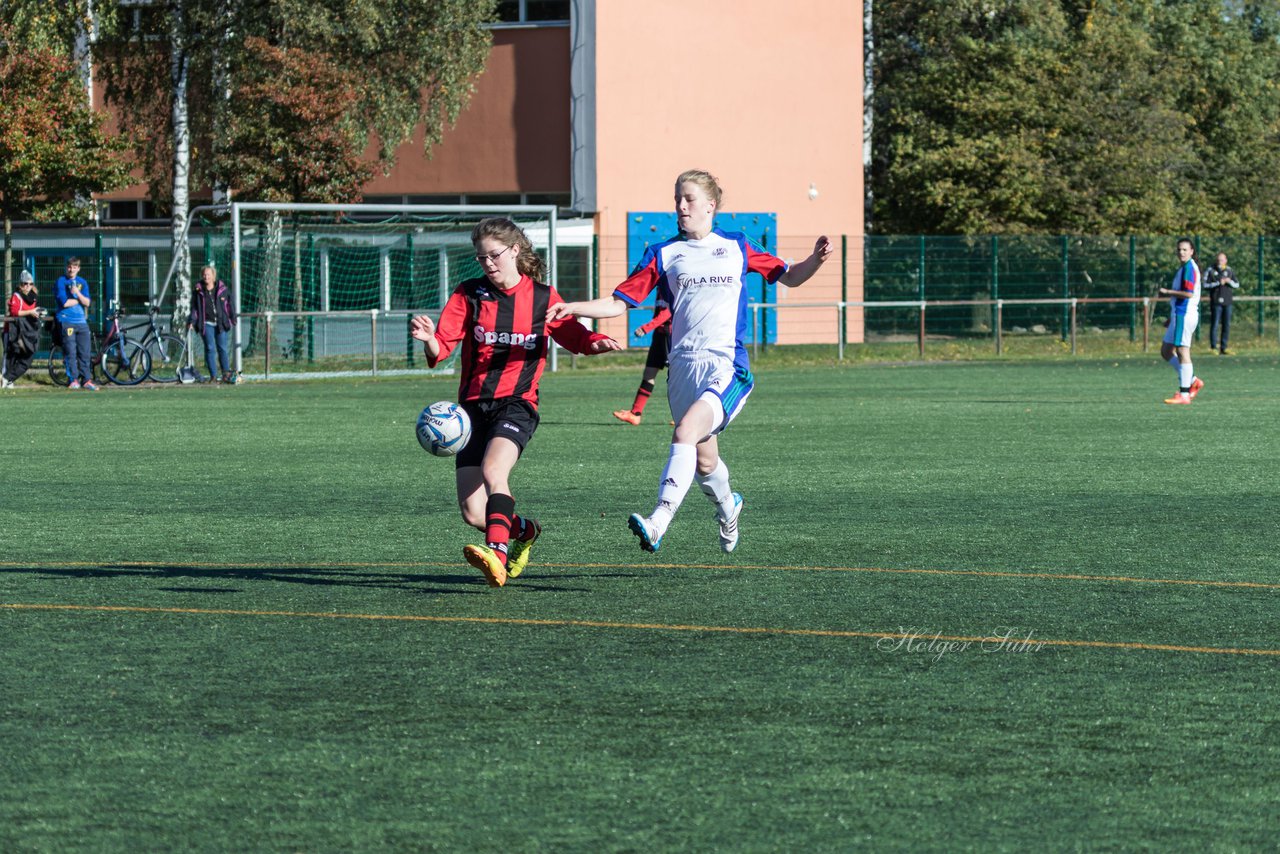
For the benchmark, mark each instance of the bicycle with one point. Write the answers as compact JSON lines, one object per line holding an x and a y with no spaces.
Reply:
{"x":120,"y":360}
{"x":168,"y":351}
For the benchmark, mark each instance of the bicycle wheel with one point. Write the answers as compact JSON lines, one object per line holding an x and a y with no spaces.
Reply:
{"x":125,"y":363}
{"x":168,"y":354}
{"x":58,"y":366}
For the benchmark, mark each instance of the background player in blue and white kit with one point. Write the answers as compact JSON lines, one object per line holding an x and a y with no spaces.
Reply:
{"x":1184,"y":316}
{"x":655,"y":360}
{"x":699,"y":275}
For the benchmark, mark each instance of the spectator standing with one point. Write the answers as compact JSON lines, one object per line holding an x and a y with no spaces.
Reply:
{"x":213,"y":315}
{"x":71,"y":296}
{"x":21,"y":336}
{"x":1220,"y":284}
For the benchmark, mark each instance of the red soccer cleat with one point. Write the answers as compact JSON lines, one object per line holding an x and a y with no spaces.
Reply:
{"x":1196,"y":385}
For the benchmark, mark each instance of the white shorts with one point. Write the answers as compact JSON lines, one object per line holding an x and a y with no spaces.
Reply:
{"x":1181,"y":329}
{"x":707,"y":377}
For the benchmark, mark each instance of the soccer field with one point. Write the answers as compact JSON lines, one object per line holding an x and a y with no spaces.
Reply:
{"x":992,"y":606}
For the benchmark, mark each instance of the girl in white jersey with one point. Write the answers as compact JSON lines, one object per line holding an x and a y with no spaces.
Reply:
{"x":1184,"y":315}
{"x":699,"y":275}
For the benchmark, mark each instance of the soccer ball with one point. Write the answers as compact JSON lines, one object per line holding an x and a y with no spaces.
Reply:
{"x":444,"y":428}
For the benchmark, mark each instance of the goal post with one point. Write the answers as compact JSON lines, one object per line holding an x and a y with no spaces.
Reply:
{"x":323,"y":287}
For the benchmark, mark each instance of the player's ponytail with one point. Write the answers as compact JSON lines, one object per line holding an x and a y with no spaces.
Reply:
{"x":528,"y":262}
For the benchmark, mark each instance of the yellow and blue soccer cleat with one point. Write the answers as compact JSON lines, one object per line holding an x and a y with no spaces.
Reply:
{"x":518,"y":551}
{"x":487,"y":561}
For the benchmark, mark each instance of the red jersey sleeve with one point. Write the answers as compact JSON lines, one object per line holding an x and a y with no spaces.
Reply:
{"x":642,"y":280}
{"x":759,"y":261}
{"x":451,"y":326}
{"x":658,"y":319}
{"x":15,"y":304}
{"x":568,"y":332}
{"x":1188,"y":277}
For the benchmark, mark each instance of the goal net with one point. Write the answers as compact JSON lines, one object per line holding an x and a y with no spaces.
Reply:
{"x":331,"y":289}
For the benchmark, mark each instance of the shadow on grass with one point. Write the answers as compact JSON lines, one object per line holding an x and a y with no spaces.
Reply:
{"x":412,"y":582}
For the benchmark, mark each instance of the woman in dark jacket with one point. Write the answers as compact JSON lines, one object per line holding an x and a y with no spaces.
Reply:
{"x":213,"y":315}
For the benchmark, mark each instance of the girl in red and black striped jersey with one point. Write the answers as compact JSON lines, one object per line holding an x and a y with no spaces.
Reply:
{"x":500,"y":320}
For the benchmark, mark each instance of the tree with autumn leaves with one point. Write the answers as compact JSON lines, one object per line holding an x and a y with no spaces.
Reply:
{"x":55,"y":151}
{"x":289,"y":135}
{"x":206,"y":84}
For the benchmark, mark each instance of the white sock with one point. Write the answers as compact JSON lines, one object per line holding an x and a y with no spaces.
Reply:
{"x":1177,"y":366}
{"x":677,"y":477}
{"x":1185,"y":375}
{"x":716,"y":487}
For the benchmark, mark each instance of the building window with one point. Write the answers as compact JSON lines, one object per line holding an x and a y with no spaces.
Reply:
{"x":533,"y":11}
{"x":573,"y":278}
{"x":493,"y":199}
{"x":127,"y":211}
{"x":438,"y":199}
{"x":560,"y":200}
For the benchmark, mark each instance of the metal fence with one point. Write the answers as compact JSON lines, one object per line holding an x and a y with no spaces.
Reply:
{"x":373,"y":342}
{"x":275,"y":345}
{"x":1036,"y":277}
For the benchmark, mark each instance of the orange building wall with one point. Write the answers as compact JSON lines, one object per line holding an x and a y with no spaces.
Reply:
{"x":767,"y":96}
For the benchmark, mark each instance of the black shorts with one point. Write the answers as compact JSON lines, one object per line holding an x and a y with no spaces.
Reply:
{"x":512,"y":418}
{"x":658,"y":348}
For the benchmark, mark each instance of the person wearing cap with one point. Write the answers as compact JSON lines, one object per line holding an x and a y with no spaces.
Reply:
{"x":21,"y":336}
{"x":71,"y":296}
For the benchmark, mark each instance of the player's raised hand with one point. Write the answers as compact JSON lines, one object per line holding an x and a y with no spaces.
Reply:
{"x":822,"y":249}
{"x":422,"y":328}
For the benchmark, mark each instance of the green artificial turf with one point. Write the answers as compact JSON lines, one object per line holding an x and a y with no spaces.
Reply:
{"x":238,"y":619}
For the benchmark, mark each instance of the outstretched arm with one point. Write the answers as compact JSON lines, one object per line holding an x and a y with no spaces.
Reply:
{"x":798,"y":274}
{"x":609,"y":306}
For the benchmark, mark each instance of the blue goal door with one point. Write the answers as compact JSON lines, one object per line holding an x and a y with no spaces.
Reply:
{"x":646,"y":229}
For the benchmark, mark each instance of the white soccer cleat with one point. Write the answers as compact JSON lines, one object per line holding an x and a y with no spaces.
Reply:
{"x":729,"y":527}
{"x":650,"y":540}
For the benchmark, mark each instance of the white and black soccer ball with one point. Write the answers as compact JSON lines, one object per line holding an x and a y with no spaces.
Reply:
{"x":444,"y":428}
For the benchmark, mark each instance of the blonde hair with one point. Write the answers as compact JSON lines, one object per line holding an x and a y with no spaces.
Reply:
{"x":703,"y":179}
{"x":503,"y":230}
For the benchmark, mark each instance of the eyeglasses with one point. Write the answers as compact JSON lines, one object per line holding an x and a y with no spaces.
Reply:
{"x":492,"y":256}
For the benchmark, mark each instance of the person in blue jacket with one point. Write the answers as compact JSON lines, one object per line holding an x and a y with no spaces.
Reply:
{"x":71,"y":296}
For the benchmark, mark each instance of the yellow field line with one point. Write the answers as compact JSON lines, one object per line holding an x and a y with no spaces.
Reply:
{"x":981,"y":573}
{"x":603,"y":624}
